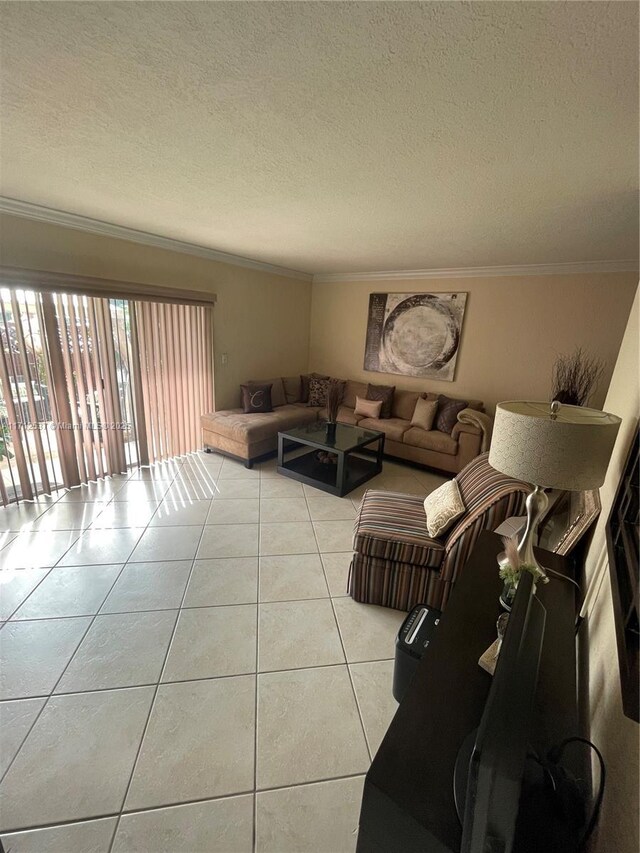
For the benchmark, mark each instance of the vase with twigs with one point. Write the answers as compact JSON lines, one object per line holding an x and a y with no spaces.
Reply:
{"x":511,"y":568}
{"x":334,"y":398}
{"x":575,"y":377}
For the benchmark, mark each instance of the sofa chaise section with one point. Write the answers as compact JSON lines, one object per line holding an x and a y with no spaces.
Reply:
{"x":247,"y":437}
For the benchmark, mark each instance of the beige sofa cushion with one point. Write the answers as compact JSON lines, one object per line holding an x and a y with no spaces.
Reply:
{"x":351,"y":391}
{"x":346,"y":415}
{"x":404,"y":404}
{"x":248,"y":429}
{"x":292,"y":388}
{"x":393,"y":428}
{"x":278,"y":396}
{"x":431,"y":440}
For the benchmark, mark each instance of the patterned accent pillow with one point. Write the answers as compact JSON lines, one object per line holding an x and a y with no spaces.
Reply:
{"x":424,"y":413}
{"x":384,"y":393}
{"x":368,"y":408}
{"x":256,"y":398}
{"x":305,"y":380}
{"x":448,"y":410}
{"x":317,"y":392}
{"x":443,"y":507}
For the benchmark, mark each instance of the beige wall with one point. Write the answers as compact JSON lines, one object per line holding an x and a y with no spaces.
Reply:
{"x":513,"y":330}
{"x":261,"y":320}
{"x":615,"y":735}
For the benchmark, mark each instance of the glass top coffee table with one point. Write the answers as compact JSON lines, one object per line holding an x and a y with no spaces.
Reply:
{"x":335,"y":465}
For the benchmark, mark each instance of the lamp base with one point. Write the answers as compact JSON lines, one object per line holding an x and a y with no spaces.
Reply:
{"x":537,"y":503}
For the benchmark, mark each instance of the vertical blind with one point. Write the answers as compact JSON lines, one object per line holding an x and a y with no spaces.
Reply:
{"x":91,"y":386}
{"x":175,"y":357}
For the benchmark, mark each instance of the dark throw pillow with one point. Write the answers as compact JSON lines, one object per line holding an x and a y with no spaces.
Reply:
{"x":305,"y":379}
{"x":256,"y":398}
{"x":384,"y":393}
{"x":448,"y":410}
{"x":318,"y":392}
{"x":278,"y":396}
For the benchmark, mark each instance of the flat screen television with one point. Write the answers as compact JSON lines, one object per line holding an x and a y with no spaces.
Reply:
{"x":491,"y":763}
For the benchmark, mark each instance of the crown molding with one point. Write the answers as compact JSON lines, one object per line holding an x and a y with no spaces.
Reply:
{"x":26,"y":210}
{"x":482,"y":272}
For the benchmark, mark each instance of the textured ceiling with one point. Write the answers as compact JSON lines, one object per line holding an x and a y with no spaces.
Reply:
{"x":333,"y":136}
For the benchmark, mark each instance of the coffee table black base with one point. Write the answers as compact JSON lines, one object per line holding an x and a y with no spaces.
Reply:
{"x":307,"y":469}
{"x":349,"y":471}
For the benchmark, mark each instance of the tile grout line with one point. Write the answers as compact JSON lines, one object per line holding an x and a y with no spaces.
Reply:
{"x":179,"y":610}
{"x":161,"y":609}
{"x":102,"y":613}
{"x":254,"y":827}
{"x":164,"y":560}
{"x":154,"y":697}
{"x":54,"y":503}
{"x":179,"y":804}
{"x":82,"y":530}
{"x":353,"y":688}
{"x":57,"y":565}
{"x":344,"y":651}
{"x":188,"y":680}
{"x":107,"y":503}
{"x":13,"y":612}
{"x":91,"y":623}
{"x":51,"y":693}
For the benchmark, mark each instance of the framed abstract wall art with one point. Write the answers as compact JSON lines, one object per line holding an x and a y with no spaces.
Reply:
{"x":414,"y":334}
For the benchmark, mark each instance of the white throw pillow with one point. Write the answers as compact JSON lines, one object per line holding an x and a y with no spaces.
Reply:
{"x":443,"y":507}
{"x":368,"y":408}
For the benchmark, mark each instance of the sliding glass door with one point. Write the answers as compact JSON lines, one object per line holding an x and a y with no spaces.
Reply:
{"x":175,"y":354}
{"x":29,"y":462}
{"x":92,"y":386}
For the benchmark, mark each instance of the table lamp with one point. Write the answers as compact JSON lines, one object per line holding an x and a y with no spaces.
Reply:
{"x":551,"y":446}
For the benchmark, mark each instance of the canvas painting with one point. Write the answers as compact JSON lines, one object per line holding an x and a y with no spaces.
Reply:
{"x":414,"y":334}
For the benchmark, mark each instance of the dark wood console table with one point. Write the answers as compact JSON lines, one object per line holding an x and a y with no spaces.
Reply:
{"x":408,"y":803}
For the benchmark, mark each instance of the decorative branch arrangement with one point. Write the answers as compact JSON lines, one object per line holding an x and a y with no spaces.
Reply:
{"x":575,"y":377}
{"x":334,"y":398}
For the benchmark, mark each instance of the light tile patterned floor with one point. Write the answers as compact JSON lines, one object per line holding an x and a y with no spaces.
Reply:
{"x":181,"y":668}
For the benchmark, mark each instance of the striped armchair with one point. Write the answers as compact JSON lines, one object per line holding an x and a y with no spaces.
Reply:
{"x":397,"y":564}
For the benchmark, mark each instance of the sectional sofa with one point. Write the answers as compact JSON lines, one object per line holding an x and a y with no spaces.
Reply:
{"x":250,"y":436}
